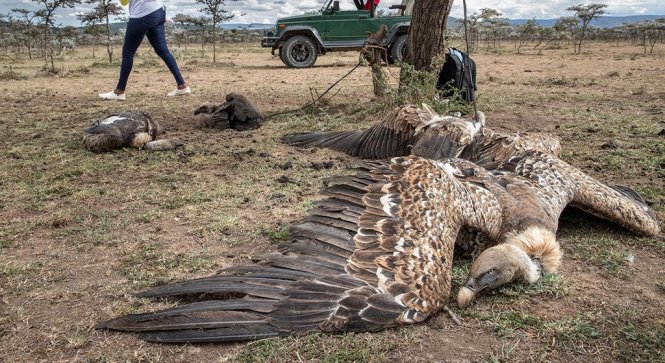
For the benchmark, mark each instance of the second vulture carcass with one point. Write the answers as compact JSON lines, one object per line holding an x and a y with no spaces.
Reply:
{"x":126,"y":129}
{"x":410,"y":130}
{"x":237,"y":113}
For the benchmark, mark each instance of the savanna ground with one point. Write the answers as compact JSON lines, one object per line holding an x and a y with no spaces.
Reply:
{"x":80,"y":233}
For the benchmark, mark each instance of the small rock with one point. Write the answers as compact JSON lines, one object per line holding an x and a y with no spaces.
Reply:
{"x":324,"y":165}
{"x":286,"y":166}
{"x":35,"y":136}
{"x":592,"y":130}
{"x":610,"y":145}
{"x":264,"y":155}
{"x":283,"y":179}
{"x":662,"y":132}
{"x":556,"y":127}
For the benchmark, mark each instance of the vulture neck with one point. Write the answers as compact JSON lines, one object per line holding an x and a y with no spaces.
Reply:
{"x":541,"y":248}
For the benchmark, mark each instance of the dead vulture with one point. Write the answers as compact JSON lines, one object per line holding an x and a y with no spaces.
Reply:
{"x":378,"y":251}
{"x":236,"y":113}
{"x":410,"y":130}
{"x":120,"y":130}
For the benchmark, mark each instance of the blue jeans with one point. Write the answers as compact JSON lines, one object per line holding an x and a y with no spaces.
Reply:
{"x":152,"y":26}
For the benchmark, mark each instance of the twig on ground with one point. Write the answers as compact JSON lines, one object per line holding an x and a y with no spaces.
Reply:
{"x":456,"y":319}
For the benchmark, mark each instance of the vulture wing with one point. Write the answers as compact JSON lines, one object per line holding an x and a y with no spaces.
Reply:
{"x":390,"y":137}
{"x":407,"y":130}
{"x":562,"y":184}
{"x":242,"y":109}
{"x":376,"y":253}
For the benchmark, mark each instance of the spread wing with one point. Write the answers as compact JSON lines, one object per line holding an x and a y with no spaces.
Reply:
{"x":390,"y":137}
{"x":376,"y":253}
{"x":562,"y":184}
{"x":407,"y":130}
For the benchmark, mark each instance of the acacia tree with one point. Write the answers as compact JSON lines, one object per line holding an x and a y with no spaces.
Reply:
{"x":583,"y":16}
{"x":91,"y":22}
{"x":426,"y":33}
{"x":525,"y":32}
{"x":47,"y":16}
{"x":214,"y":9}
{"x":493,"y":24}
{"x":652,"y":31}
{"x":103,"y":10}
{"x":26,"y":29}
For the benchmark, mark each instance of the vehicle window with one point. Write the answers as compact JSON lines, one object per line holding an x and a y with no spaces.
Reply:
{"x":381,"y":10}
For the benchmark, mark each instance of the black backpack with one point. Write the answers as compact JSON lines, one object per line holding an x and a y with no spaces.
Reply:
{"x":458,"y":74}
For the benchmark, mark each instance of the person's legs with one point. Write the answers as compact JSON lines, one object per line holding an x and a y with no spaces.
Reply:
{"x":133,"y":38}
{"x":157,"y":39}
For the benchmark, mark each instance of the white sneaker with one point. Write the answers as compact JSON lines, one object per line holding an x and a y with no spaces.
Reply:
{"x":180,"y":92}
{"x":112,"y":96}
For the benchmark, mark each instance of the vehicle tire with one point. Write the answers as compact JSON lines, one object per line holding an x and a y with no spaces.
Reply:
{"x":299,"y":52}
{"x":398,"y":48}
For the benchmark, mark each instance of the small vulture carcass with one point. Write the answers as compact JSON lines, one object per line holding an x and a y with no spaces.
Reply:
{"x":237,"y":113}
{"x":410,"y":130}
{"x":126,"y":129}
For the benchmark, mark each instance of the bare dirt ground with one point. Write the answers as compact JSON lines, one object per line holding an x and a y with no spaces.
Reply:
{"x":79,"y":232}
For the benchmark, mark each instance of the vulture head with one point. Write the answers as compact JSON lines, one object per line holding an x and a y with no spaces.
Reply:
{"x":523,"y":257}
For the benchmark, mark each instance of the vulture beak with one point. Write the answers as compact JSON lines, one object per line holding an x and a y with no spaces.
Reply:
{"x":467,"y":293}
{"x":494,"y":267}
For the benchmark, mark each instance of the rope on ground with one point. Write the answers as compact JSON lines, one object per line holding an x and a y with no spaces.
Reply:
{"x":319,"y":98}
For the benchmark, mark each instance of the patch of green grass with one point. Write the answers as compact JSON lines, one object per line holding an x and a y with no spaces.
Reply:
{"x":508,"y":323}
{"x":461,"y":272}
{"x":146,"y":265}
{"x":5,"y":242}
{"x":637,"y":343}
{"x":614,"y":160}
{"x":279,"y":234}
{"x":568,"y":333}
{"x":600,"y":250}
{"x":572,"y":334}
{"x":553,"y":285}
{"x":148,"y":216}
{"x":321,"y":348}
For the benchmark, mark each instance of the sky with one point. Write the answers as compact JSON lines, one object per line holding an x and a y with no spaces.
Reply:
{"x":267,"y":11}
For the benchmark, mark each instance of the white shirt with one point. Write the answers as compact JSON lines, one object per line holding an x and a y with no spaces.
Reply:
{"x":141,"y":8}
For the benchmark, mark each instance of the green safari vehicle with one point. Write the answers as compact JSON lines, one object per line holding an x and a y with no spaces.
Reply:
{"x":299,"y":40}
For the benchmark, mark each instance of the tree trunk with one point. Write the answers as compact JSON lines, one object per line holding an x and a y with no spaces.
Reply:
{"x":109,"y":49}
{"x":372,"y":52}
{"x":214,"y":43}
{"x":426,"y":35}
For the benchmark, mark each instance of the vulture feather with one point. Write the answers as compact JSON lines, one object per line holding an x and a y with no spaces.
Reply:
{"x":236,"y":113}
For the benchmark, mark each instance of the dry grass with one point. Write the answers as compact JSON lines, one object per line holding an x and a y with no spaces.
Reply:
{"x":80,"y":232}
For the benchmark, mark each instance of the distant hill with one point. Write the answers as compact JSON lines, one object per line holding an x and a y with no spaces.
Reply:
{"x":602,"y":22}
